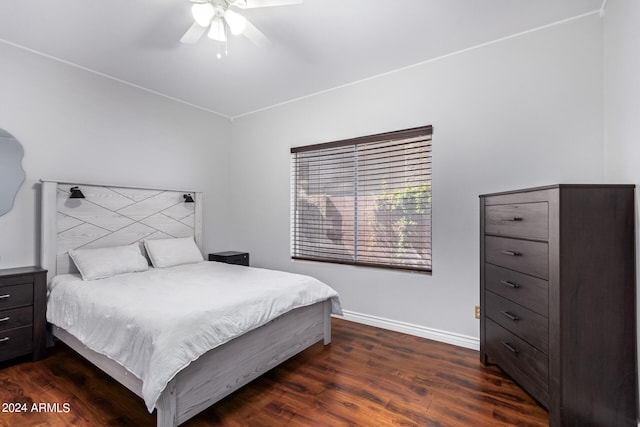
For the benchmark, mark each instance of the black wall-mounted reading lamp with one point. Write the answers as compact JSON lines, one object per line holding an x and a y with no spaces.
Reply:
{"x":76,"y":193}
{"x":187,"y":198}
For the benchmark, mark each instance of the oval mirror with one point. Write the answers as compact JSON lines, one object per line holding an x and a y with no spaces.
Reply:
{"x":11,"y":172}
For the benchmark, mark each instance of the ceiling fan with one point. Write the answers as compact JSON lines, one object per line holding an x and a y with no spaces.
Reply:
{"x":218,"y":19}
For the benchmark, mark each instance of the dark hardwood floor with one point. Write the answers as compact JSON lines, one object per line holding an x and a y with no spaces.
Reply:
{"x":366,"y":377}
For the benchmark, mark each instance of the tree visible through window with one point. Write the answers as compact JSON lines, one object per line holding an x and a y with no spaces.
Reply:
{"x":364,"y":201}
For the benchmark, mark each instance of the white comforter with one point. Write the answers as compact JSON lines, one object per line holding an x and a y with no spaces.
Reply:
{"x":156,"y":322}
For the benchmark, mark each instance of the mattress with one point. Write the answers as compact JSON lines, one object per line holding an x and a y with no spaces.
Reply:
{"x":154,"y":323}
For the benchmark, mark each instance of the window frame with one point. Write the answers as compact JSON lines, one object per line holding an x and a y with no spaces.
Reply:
{"x":425,"y":132}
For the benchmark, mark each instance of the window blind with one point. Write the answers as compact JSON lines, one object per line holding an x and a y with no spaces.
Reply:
{"x":364,"y":201}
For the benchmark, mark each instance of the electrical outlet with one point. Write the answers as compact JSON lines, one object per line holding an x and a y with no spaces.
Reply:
{"x":477,"y":311}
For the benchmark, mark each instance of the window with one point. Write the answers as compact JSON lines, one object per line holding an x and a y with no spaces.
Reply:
{"x":364,"y":201}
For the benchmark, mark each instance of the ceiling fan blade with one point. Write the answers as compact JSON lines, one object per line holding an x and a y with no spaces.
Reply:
{"x":252,"y":4}
{"x":236,"y":22}
{"x":256,"y":36}
{"x":193,"y":34}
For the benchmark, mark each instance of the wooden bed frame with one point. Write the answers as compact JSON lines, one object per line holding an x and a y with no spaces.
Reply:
{"x":220,"y":371}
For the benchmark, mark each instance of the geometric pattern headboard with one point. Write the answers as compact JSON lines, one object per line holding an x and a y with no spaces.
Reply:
{"x":114,"y":216}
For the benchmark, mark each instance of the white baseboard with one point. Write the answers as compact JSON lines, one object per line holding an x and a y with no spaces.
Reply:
{"x":416,"y":330}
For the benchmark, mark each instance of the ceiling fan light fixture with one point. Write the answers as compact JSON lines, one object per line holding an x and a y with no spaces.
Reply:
{"x":215,"y":18}
{"x":237,"y":23}
{"x":217,"y":30}
{"x":202,"y":13}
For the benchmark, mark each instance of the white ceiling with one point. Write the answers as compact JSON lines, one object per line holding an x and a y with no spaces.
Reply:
{"x":315,"y":46}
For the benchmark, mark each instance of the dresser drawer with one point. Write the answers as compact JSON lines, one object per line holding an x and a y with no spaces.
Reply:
{"x":19,"y":279}
{"x":524,"y":323}
{"x":520,"y":255}
{"x":523,"y":362}
{"x":16,"y":295}
{"x":518,"y":220}
{"x":523,"y":289}
{"x":16,"y":342}
{"x":15,"y":318}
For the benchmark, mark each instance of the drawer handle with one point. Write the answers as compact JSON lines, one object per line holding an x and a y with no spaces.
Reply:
{"x":5,"y":296}
{"x":510,"y":316}
{"x":4,"y":339}
{"x":4,"y":319}
{"x":510,"y":284}
{"x":515,"y":218}
{"x":511,"y":253}
{"x":511,"y":348}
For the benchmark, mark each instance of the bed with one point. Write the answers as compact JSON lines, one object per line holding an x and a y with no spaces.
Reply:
{"x":113,"y":217}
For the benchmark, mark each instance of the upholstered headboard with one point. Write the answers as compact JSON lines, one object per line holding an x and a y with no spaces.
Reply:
{"x":111,"y":216}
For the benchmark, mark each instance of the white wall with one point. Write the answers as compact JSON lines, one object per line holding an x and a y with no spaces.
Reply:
{"x":78,"y":126}
{"x":521,"y":112}
{"x":622,"y":90}
{"x":622,"y":102}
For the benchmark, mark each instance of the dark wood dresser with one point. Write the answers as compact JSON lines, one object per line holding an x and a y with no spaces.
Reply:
{"x":23,"y":299}
{"x":557,"y":293}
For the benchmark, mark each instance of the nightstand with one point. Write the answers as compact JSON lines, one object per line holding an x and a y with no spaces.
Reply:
{"x":23,"y":324}
{"x":231,"y":257}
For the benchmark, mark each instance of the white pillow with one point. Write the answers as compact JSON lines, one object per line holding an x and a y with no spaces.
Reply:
{"x":100,"y":263}
{"x":170,"y":252}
